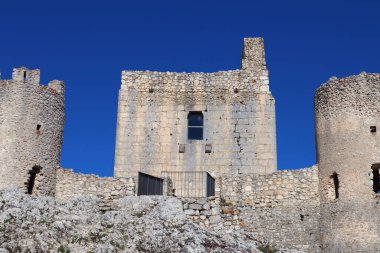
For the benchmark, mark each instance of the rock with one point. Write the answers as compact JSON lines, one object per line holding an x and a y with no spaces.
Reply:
{"x":206,"y":206}
{"x":206,"y":212}
{"x":195,"y":206}
{"x":215,"y":219}
{"x":189,"y":212}
{"x":215,"y":211}
{"x":135,"y":224}
{"x":202,"y":201}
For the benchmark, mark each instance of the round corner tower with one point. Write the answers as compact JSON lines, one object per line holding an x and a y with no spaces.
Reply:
{"x":347,"y":124}
{"x":31,"y":127}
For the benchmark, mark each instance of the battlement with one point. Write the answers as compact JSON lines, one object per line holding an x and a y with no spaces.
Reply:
{"x":354,"y":95}
{"x":253,"y":57}
{"x":32,"y":76}
{"x":251,"y":78}
{"x":57,"y":85}
{"x":24,"y":74}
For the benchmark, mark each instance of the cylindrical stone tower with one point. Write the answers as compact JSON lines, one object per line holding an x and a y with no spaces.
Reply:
{"x":31,"y":126}
{"x":347,"y":119}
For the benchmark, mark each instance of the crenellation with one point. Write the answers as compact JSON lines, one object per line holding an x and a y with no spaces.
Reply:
{"x":32,"y":119}
{"x":58,"y":86}
{"x":24,"y":74}
{"x":253,"y":57}
{"x":330,"y":207}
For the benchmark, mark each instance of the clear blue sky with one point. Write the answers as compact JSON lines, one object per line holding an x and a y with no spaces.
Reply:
{"x":87,"y":44}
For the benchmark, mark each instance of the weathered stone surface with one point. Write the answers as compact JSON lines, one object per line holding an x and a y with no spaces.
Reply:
{"x":31,"y":125}
{"x":345,"y":111}
{"x":136,"y":224}
{"x":248,"y":203}
{"x":238,"y":111}
{"x":195,"y":206}
{"x":334,"y":209}
{"x":71,"y":185}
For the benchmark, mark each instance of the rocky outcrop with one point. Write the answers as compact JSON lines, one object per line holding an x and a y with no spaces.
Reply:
{"x":135,"y":224}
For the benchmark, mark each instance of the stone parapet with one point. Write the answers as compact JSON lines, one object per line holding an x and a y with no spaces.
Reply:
{"x":71,"y":185}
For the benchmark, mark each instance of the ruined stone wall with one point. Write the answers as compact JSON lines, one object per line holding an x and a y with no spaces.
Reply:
{"x":204,"y":212}
{"x":238,"y":128}
{"x":72,"y":185}
{"x":345,"y":111}
{"x":31,"y":125}
{"x":282,"y":207}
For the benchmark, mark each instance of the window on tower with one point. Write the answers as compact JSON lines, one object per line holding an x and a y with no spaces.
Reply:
{"x":376,"y":177}
{"x":195,"y":126}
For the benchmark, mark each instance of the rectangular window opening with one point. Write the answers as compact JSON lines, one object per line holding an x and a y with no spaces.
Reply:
{"x":373,"y":129}
{"x":195,"y":126}
{"x":376,"y":178}
{"x":333,"y":187}
{"x":24,"y":75}
{"x":335,"y":180}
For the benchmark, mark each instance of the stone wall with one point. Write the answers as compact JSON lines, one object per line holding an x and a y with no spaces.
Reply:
{"x":203,"y":211}
{"x":136,"y":224}
{"x":347,"y":111}
{"x":282,"y":207}
{"x":72,"y":185}
{"x":31,"y":127}
{"x":238,"y":120}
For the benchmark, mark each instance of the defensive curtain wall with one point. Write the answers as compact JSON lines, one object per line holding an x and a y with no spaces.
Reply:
{"x":330,"y":209}
{"x":282,"y":207}
{"x":221,"y":122}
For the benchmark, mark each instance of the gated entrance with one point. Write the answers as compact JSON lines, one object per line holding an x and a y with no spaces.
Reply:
{"x":149,"y":185}
{"x":191,"y":183}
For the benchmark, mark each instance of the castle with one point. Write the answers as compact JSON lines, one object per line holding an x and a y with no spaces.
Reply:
{"x":221,"y":124}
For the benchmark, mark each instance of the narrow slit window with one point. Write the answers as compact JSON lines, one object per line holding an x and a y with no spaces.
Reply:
{"x":24,"y":75}
{"x":195,"y":126}
{"x":335,"y":180}
{"x":376,"y":178}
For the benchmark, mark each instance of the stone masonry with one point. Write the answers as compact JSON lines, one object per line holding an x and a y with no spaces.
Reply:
{"x":31,"y":125}
{"x":332,"y":207}
{"x":283,"y":205}
{"x":72,"y":185}
{"x":239,"y":134}
{"x":347,"y":112}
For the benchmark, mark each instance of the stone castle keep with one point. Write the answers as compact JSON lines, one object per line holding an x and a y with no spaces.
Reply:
{"x":236,"y":123}
{"x":221,"y":124}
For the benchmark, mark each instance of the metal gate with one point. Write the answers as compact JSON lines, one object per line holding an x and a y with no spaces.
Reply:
{"x":210,"y":185}
{"x":191,"y":183}
{"x":149,"y":185}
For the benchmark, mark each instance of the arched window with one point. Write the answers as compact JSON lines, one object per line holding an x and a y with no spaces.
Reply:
{"x":195,"y":126}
